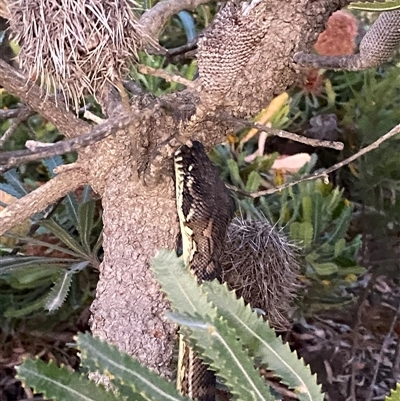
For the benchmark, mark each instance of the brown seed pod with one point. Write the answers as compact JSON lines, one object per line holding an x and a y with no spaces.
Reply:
{"x":226,"y":46}
{"x":259,"y":263}
{"x":76,"y":46}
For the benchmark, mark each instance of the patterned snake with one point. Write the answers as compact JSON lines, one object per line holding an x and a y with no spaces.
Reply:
{"x":205,"y":209}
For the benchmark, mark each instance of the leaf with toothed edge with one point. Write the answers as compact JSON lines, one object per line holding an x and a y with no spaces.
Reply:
{"x":59,"y":384}
{"x":191,"y":304}
{"x":100,"y":356}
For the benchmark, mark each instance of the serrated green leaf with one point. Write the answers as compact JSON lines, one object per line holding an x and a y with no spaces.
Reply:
{"x":10,"y":190}
{"x":166,"y":266}
{"x":59,"y":291}
{"x":262,"y":342}
{"x":98,"y":243}
{"x":29,"y":269}
{"x":106,"y":358}
{"x":34,"y":273}
{"x":85,"y":222}
{"x":388,"y":5}
{"x":86,"y":193}
{"x":220,"y":347}
{"x":253,"y":182}
{"x":186,"y":299}
{"x":14,"y":262}
{"x":331,"y":202}
{"x":224,"y":355}
{"x":60,"y":384}
{"x":35,"y":242}
{"x":60,"y":233}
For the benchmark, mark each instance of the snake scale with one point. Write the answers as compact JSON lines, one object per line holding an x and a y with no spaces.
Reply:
{"x":205,"y":209}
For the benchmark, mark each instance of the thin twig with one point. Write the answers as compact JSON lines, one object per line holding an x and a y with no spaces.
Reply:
{"x":154,"y":20}
{"x":11,"y":113}
{"x":144,"y":69}
{"x":112,"y":125}
{"x":283,"y":134}
{"x":24,"y":114}
{"x":324,"y":173}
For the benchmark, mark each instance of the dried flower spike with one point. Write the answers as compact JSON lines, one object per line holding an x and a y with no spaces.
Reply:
{"x":75,"y":46}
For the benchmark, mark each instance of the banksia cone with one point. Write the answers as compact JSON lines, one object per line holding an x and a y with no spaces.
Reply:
{"x":227,"y":45}
{"x":339,"y":37}
{"x":259,"y":263}
{"x":76,"y":46}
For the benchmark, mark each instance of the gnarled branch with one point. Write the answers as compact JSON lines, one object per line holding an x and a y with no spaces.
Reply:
{"x":18,"y":85}
{"x":41,"y":197}
{"x":154,"y":19}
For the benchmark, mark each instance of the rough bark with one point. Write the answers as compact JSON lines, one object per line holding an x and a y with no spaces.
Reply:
{"x":139,"y":213}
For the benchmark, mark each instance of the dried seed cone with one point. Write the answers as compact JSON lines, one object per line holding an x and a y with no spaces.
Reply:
{"x":76,"y":46}
{"x":260,"y":264}
{"x":227,"y":45}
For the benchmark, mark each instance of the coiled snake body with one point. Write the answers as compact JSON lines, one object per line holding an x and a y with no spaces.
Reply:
{"x":205,"y":209}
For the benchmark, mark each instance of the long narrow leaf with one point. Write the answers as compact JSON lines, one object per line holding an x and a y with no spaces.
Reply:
{"x":388,"y":5}
{"x":219,"y":347}
{"x":60,"y":233}
{"x":60,"y":384}
{"x":59,"y":291}
{"x":263,"y":343}
{"x":85,"y":222}
{"x":14,"y":180}
{"x":101,"y":356}
{"x":71,"y":203}
{"x":207,"y":332}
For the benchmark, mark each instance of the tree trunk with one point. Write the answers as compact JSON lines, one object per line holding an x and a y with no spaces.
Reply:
{"x":139,"y":212}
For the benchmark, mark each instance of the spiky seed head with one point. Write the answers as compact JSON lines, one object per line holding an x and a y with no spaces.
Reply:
{"x":260,"y":264}
{"x":76,"y":46}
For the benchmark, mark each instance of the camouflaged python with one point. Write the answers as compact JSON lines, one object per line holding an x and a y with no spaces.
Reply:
{"x":205,"y":209}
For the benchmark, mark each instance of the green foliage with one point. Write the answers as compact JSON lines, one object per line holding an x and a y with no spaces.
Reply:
{"x":61,"y":384}
{"x":53,"y":254}
{"x":128,"y":377}
{"x":228,"y":334}
{"x":394,"y":395}
{"x":314,"y":215}
{"x":379,"y":6}
{"x":367,"y":106}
